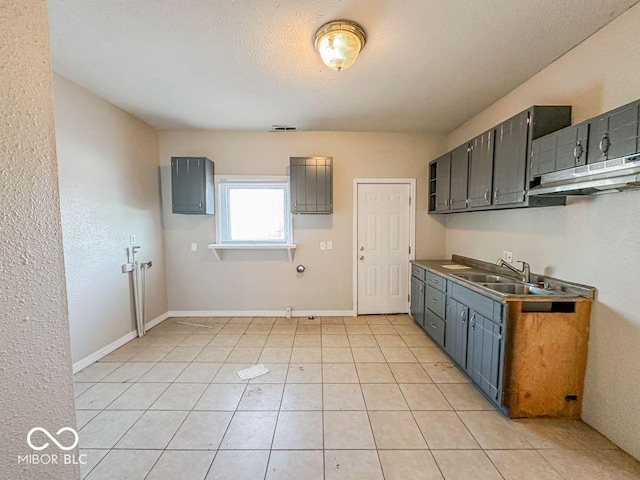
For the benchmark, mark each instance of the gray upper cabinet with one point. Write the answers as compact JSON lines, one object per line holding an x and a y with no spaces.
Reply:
{"x":459,"y":177}
{"x":311,"y":184}
{"x":497,"y":165}
{"x":572,"y":146}
{"x":614,"y":134}
{"x":192,"y":185}
{"x":611,"y":135}
{"x":481,"y":169}
{"x":510,"y":160}
{"x":441,"y":182}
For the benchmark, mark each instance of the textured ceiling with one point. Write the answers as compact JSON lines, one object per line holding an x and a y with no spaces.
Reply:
{"x":428,"y":65}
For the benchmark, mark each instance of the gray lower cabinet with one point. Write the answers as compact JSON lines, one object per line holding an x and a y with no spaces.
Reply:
{"x":192,"y":185}
{"x":311,"y":184}
{"x":456,"y":331}
{"x":466,"y":324}
{"x":417,"y":300}
{"x":428,"y":300}
{"x":484,"y":348}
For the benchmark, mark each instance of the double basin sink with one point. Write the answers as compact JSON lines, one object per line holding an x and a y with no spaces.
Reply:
{"x":507,"y":285}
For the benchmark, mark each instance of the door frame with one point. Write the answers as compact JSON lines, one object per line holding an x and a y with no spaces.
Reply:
{"x":412,"y":226}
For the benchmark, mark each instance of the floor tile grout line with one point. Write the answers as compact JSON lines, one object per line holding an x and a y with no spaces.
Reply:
{"x":284,"y":382}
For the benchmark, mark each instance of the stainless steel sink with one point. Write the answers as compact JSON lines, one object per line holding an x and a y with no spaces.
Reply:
{"x":520,"y":289}
{"x":484,"y":278}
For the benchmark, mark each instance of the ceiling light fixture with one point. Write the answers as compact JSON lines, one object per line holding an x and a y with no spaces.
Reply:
{"x":339,"y":42}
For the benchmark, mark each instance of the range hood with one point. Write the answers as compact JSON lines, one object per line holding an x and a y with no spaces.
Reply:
{"x":613,"y":175}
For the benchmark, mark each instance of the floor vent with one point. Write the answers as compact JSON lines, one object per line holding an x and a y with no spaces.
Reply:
{"x":283,"y":128}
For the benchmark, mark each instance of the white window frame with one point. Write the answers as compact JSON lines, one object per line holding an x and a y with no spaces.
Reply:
{"x":247,"y":180}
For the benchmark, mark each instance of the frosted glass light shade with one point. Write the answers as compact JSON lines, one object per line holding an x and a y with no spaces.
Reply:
{"x":339,"y":42}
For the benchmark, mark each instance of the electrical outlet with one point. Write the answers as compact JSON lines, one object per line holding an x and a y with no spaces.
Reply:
{"x":329,"y":245}
{"x":287,"y":312}
{"x":132,"y":239}
{"x":194,"y":247}
{"x":323,"y":245}
{"x":507,"y":256}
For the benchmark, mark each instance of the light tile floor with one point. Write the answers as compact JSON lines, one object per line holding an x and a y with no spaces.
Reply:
{"x":369,"y":397}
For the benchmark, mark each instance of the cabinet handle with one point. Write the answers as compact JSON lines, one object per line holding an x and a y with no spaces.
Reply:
{"x":464,"y":316}
{"x":604,"y":144}
{"x":200,"y":205}
{"x":578,"y":151}
{"x":421,"y":288}
{"x":434,"y":300}
{"x":466,"y":202}
{"x":433,"y":325}
{"x":446,"y":203}
{"x":495,"y":195}
{"x":473,"y":321}
{"x":487,"y":196}
{"x":451,"y":202}
{"x":435,"y":280}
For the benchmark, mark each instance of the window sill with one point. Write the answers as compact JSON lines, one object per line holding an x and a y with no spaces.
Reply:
{"x":217,"y":248}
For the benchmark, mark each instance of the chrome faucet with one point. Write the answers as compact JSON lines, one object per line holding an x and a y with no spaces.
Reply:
{"x":524,"y":274}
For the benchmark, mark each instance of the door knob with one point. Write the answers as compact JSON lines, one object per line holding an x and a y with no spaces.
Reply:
{"x":361,"y":257}
{"x":362,"y":249}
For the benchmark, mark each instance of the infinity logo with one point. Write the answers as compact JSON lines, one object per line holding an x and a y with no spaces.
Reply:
{"x":58,"y":444}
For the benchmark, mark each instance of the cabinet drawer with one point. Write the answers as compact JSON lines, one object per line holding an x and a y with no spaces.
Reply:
{"x":435,"y":301}
{"x":485,"y":306}
{"x":419,"y":272}
{"x":434,"y":326}
{"x":438,"y":282}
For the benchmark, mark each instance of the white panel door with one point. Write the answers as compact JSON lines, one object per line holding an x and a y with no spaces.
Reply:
{"x":383,"y":248}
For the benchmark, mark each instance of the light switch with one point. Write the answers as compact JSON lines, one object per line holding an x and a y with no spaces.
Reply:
{"x":132,"y":239}
{"x":194,"y":247}
{"x":329,"y":245}
{"x":323,"y":245}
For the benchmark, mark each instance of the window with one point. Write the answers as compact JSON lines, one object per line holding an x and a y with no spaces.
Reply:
{"x":254,"y":211}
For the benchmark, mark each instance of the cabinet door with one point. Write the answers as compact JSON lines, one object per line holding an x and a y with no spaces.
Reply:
{"x":572,"y":146}
{"x":311,"y":187}
{"x":481,"y":169}
{"x":443,"y":179}
{"x":417,"y":300}
{"x":543,"y":157}
{"x":510,"y":160}
{"x":456,"y":332}
{"x":614,"y":134}
{"x":459,"y":177}
{"x":483,"y":355}
{"x":188,"y":185}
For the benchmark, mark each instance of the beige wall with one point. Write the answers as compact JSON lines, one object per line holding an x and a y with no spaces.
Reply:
{"x":35,"y":360}
{"x":109,"y":189}
{"x":264,"y":281}
{"x":593,"y":240}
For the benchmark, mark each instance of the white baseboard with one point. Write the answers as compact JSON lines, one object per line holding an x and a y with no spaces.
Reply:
{"x":259,"y":313}
{"x":104,"y":351}
{"x":158,"y":320}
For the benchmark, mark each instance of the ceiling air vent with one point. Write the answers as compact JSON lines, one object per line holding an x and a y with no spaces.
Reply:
{"x":283,"y":128}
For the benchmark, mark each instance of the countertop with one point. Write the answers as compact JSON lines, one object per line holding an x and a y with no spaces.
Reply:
{"x":571,"y":292}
